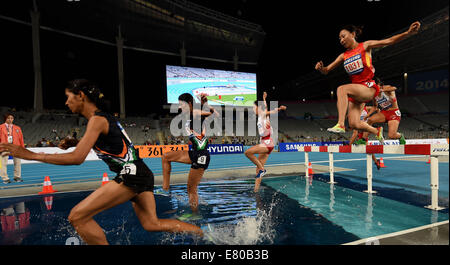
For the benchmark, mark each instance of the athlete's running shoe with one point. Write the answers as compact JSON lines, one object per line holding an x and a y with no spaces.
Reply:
{"x":402,"y":139}
{"x":361,"y":141}
{"x":379,"y":135}
{"x":337,"y":129}
{"x":190,"y":217}
{"x":161,"y":191}
{"x":261,"y":173}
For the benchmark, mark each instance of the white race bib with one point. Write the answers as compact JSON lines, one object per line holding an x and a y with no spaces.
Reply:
{"x":201,"y":160}
{"x":128,"y":169}
{"x":354,"y":65}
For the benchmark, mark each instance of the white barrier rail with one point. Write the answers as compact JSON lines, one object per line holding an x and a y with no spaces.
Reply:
{"x":432,"y":150}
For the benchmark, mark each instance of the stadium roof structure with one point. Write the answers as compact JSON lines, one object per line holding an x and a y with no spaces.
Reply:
{"x":156,"y":26}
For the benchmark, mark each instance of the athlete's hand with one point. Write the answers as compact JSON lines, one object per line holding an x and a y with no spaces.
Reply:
{"x":203,"y":98}
{"x":264,"y":95}
{"x":282,"y":107}
{"x":15,"y":151}
{"x":414,"y":28}
{"x":319,"y":67}
{"x":66,"y":143}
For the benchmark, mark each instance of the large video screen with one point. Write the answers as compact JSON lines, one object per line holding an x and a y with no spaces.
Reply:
{"x":221,"y":87}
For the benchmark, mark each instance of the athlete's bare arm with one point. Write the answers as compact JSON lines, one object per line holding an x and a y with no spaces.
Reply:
{"x":95,"y":126}
{"x":326,"y":69}
{"x":282,"y":107}
{"x":413,"y":29}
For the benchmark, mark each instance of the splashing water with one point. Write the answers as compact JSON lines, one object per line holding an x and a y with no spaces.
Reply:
{"x":253,"y":230}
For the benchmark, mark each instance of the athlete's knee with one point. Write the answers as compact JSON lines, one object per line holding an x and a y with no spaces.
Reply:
{"x":354,"y":124}
{"x":151,"y":225}
{"x":393,"y":135}
{"x":76,"y":216}
{"x":341,"y":89}
{"x":248,"y":153}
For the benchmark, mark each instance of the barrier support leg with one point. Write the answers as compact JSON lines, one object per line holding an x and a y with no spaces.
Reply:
{"x":369,"y":174}
{"x":434,"y":179}
{"x":331,"y":161}
{"x":306,"y":164}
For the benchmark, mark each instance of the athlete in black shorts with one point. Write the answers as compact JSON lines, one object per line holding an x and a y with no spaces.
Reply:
{"x":199,"y":156}
{"x":134,"y":180}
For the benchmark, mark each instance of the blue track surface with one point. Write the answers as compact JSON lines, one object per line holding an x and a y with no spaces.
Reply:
{"x":410,"y":175}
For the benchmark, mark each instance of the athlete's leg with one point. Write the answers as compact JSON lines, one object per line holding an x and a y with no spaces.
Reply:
{"x":358,"y":92}
{"x":354,"y":114}
{"x":167,"y":158}
{"x":105,"y":197}
{"x":194,"y":178}
{"x":353,"y":138}
{"x":145,"y":207}
{"x":262,"y":159}
{"x":393,"y":129}
{"x":376,"y":118}
{"x":256,"y":149}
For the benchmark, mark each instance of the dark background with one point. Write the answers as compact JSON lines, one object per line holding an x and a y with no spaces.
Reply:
{"x":298,"y":34}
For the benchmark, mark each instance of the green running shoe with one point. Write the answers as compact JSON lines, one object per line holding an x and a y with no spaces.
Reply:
{"x":362,"y":141}
{"x":189,"y":217}
{"x":402,"y":139}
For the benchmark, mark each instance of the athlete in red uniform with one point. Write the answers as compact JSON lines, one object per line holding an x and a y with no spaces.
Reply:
{"x":390,"y":112}
{"x":357,"y":61}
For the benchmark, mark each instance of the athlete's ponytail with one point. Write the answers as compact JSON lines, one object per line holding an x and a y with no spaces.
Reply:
{"x":91,"y":91}
{"x":352,"y":28}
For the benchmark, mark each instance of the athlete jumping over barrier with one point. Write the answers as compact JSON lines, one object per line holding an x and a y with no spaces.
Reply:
{"x":357,"y":61}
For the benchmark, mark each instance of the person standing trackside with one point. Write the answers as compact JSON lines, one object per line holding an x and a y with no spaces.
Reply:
{"x":11,"y":133}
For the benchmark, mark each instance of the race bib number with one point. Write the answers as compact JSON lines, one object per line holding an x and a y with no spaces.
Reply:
{"x":398,"y":113}
{"x":128,"y":169}
{"x":354,"y":65}
{"x":201,"y":160}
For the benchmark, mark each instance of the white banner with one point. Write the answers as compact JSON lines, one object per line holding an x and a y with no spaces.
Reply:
{"x":53,"y":150}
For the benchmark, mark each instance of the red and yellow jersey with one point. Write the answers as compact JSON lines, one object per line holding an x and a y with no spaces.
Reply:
{"x":358,"y":64}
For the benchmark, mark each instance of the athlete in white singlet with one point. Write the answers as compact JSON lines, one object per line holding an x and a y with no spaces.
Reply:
{"x":390,"y":112}
{"x":266,"y":145}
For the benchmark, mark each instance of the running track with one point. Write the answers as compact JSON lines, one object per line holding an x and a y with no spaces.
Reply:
{"x":407,"y":174}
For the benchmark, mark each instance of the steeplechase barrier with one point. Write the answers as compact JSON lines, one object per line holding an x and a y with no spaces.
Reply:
{"x":432,"y":150}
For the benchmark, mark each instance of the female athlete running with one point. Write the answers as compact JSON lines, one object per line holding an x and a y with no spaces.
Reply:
{"x":357,"y":61}
{"x":134,"y":180}
{"x":199,"y":156}
{"x":266,"y":145}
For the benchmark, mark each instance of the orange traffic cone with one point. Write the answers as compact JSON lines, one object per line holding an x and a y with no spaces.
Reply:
{"x":382,"y":162}
{"x":105,"y":179}
{"x":48,"y":202}
{"x":48,"y":188}
{"x":310,"y":170}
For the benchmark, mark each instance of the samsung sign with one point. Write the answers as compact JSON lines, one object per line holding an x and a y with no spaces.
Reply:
{"x":224,"y":148}
{"x":293,"y":147}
